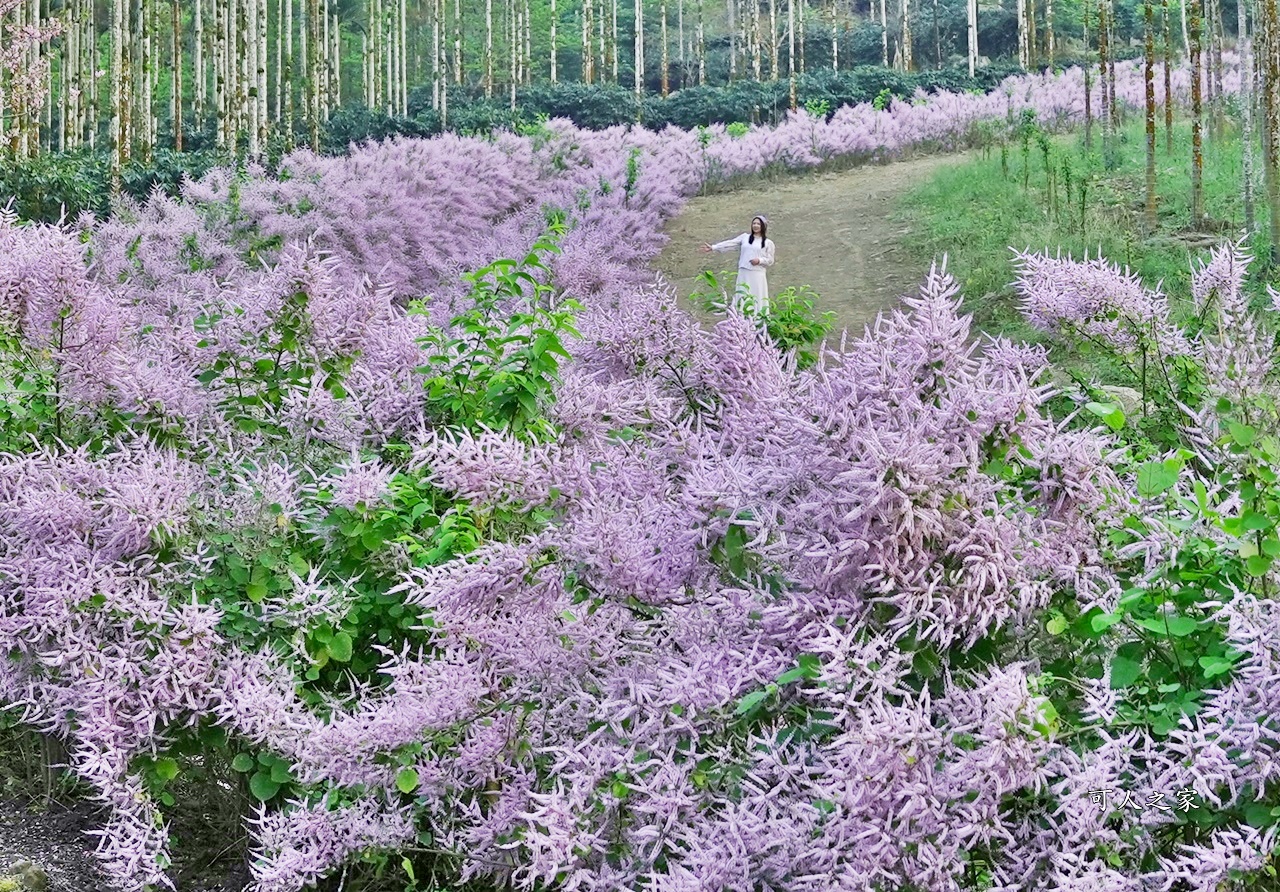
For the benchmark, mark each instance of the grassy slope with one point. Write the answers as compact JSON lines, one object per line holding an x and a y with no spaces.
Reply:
{"x":976,"y":211}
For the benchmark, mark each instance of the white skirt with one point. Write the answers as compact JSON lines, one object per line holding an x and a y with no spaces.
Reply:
{"x":753,"y":279}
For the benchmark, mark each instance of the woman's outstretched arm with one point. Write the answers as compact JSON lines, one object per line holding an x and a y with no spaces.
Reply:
{"x":726,"y":245}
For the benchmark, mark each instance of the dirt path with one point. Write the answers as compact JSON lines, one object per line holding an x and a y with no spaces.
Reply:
{"x":834,"y":232}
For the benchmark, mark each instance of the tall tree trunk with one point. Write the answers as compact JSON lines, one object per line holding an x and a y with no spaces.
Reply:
{"x":601,"y":16}
{"x":244,"y":123}
{"x":250,"y":73}
{"x":906,"y":36}
{"x":144,"y":114}
{"x":791,"y":51}
{"x":313,"y":73}
{"x":733,"y":38}
{"x":835,"y":41}
{"x":613,"y":41}
{"x":1088,"y":85}
{"x":701,"y":47}
{"x":219,"y":74}
{"x":528,"y":43}
{"x":800,"y":17}
{"x":666,"y":58}
{"x":588,"y":69}
{"x":756,"y":55}
{"x":639,"y":54}
{"x":1247,"y":100}
{"x":1050,"y":47}
{"x":70,"y":78}
{"x":117,"y":134}
{"x":198,"y":74}
{"x":1024,"y":56}
{"x":286,"y":76}
{"x":1219,"y":37}
{"x":437,"y":75}
{"x":773,"y":39}
{"x":684,"y":59}
{"x":972,"y":15}
{"x":488,"y":48}
{"x":937,"y":38}
{"x":175,"y":87}
{"x":1168,"y":81}
{"x":277,"y":80}
{"x":1149,"y":82}
{"x":335,"y":81}
{"x":1105,"y":111}
{"x":1197,"y":147}
{"x":1267,"y":26}
{"x":1186,"y":37}
{"x":457,"y":43}
{"x":884,"y":30}
{"x":554,"y":53}
{"x":1111,"y":66}
{"x":1032,"y":54}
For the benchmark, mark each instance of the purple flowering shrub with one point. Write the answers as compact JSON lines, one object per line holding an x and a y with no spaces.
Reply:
{"x":531,"y":580}
{"x":1181,"y":644}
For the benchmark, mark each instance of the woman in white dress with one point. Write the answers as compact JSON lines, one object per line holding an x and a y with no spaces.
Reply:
{"x":755,"y":252}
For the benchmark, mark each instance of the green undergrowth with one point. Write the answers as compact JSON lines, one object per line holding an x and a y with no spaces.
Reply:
{"x":1040,"y":192}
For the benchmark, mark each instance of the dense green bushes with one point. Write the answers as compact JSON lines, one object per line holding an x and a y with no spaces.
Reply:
{"x":48,"y":186}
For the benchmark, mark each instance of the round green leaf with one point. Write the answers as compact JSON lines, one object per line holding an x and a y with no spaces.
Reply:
{"x":340,"y":647}
{"x":262,"y":786}
{"x":1124,"y":672}
{"x":243,"y":762}
{"x":1155,"y":477}
{"x":406,"y":780}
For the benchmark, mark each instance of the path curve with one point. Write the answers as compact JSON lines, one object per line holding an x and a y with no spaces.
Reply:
{"x":836,"y":232}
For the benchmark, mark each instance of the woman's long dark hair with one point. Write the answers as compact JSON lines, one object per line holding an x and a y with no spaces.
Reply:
{"x":764,"y":232}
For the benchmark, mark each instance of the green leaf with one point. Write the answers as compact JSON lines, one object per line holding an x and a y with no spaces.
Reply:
{"x":1242,"y":434}
{"x":1214,"y":666}
{"x":262,"y":786}
{"x":1124,"y":671}
{"x":1155,"y":477}
{"x":1176,"y":626}
{"x":243,"y":762}
{"x":1258,"y":814}
{"x":340,"y":647}
{"x":750,"y":702}
{"x":166,"y":768}
{"x":1255,"y":521}
{"x":256,"y":592}
{"x":1104,"y":621}
{"x":406,"y":780}
{"x":1058,"y":624}
{"x":808,"y":666}
{"x":1258,"y":565}
{"x":1110,"y":413}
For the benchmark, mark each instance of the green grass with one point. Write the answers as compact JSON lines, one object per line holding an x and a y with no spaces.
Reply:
{"x":976,"y":211}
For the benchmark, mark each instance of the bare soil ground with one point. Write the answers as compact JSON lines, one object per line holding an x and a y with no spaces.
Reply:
{"x":55,"y":840}
{"x":835,"y":232}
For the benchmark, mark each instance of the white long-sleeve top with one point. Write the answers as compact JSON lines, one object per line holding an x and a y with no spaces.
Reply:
{"x":760,"y":249}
